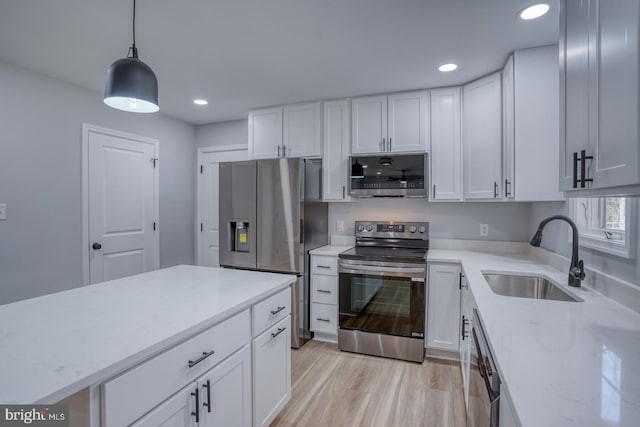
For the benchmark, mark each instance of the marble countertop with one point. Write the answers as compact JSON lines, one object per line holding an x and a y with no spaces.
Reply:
{"x":563,"y":363}
{"x":58,"y":344}
{"x":330,"y":250}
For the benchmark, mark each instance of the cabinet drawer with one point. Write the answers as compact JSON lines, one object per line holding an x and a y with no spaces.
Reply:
{"x":324,"y":318}
{"x":325,"y":265}
{"x":138,"y":390}
{"x":270,"y":311}
{"x":324,"y":289}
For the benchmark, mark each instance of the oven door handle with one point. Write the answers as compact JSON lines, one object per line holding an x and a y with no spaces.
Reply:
{"x":483,"y":369}
{"x":383,"y":271}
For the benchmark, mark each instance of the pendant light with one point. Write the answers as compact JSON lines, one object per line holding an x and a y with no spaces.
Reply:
{"x":131,"y":84}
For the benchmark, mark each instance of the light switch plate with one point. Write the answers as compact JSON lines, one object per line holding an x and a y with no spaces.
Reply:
{"x":340,"y":226}
{"x":3,"y":211}
{"x":484,"y":229}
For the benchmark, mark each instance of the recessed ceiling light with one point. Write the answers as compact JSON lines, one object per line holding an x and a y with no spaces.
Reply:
{"x":447,"y":67}
{"x":200,"y":101}
{"x":534,"y":11}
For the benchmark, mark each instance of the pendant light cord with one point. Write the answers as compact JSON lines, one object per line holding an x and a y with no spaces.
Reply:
{"x":133,"y":52}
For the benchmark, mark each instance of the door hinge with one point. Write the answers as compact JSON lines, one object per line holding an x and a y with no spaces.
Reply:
{"x":154,"y":226}
{"x":201,"y":226}
{"x":154,"y":160}
{"x":201,"y":169}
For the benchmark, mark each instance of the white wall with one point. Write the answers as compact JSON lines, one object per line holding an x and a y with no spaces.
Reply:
{"x":40,"y":180}
{"x":556,"y":238}
{"x":224,"y":133}
{"x":507,"y":221}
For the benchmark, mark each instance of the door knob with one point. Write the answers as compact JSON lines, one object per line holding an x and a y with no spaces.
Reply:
{"x":96,"y":246}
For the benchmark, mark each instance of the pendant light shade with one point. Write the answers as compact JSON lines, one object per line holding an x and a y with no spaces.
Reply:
{"x":131,"y":84}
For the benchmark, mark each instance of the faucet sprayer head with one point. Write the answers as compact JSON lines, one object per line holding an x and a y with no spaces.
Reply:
{"x":536,"y":239}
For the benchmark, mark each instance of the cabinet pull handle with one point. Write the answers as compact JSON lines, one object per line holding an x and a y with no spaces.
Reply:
{"x":507,"y":188}
{"x":323,"y":266}
{"x":583,"y":167}
{"x":463,"y":331}
{"x":278,"y":310}
{"x":434,"y":191}
{"x":284,"y":150}
{"x":323,"y":320}
{"x":324,"y":291}
{"x":197,"y":412}
{"x":382,"y":144}
{"x":389,"y":144}
{"x":495,"y":190}
{"x":205,"y":354}
{"x":575,"y":170}
{"x":343,"y":192}
{"x":208,"y":387}
{"x":460,"y":276}
{"x":278,"y":151}
{"x":275,"y":334}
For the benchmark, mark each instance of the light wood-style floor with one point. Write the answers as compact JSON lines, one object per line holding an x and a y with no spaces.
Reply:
{"x":333,"y":388}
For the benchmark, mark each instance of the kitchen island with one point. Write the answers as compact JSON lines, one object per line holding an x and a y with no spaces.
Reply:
{"x":56,"y":345}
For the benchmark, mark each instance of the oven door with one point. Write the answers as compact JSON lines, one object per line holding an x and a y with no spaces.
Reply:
{"x":382,"y":297}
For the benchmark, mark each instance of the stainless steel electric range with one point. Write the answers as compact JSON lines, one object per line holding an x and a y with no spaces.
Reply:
{"x":382,"y":286}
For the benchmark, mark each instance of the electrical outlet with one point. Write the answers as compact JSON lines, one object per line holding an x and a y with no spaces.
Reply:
{"x":340,"y":226}
{"x":484,"y":229}
{"x":3,"y":211}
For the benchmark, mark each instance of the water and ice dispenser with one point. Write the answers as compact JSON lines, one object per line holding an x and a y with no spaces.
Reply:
{"x":239,"y":236}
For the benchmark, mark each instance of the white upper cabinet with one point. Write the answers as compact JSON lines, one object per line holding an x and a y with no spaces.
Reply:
{"x":482,"y":138}
{"x":395,"y":123}
{"x":531,"y":123}
{"x":335,"y":149}
{"x":301,"y":137}
{"x":599,"y":96}
{"x":291,"y":131}
{"x":265,"y":133}
{"x":446,"y":160}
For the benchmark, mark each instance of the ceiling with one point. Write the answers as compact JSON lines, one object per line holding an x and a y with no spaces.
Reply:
{"x":244,"y":54}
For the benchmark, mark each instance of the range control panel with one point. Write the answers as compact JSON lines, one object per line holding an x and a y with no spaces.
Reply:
{"x":393,"y":229}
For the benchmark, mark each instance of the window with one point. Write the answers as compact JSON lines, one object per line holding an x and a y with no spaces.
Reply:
{"x":606,"y":224}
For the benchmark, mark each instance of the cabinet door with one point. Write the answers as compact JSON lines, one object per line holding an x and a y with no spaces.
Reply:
{"x":482,"y":138}
{"x":508,"y":130}
{"x":443,"y":311}
{"x":446,"y":154}
{"x":369,"y":124}
{"x":574,"y":85}
{"x":613,"y":80}
{"x":465,"y":341}
{"x":271,"y":372}
{"x":301,"y":131}
{"x":265,"y":133}
{"x":408,"y":122}
{"x":177,"y":411}
{"x":225,"y":392}
{"x":335,"y":158}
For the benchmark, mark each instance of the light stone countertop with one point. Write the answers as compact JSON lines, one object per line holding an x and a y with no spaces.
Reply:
{"x":563,"y":363}
{"x":330,"y":250}
{"x":55,"y":345}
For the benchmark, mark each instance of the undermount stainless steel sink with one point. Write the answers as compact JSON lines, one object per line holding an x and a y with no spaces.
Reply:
{"x":526,"y":287}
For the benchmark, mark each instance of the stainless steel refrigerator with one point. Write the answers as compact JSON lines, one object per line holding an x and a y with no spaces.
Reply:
{"x":271,"y":216}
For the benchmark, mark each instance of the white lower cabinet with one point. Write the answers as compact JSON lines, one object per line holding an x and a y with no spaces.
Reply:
{"x":271,"y":372}
{"x":324,"y":297}
{"x":443,"y":307}
{"x":178,"y":410}
{"x":466,"y":310}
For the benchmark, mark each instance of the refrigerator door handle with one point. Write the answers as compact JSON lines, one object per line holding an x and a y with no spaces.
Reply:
{"x":301,"y":230}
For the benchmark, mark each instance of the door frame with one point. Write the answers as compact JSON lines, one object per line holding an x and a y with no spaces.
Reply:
{"x":200,"y":162}
{"x":86,"y":129}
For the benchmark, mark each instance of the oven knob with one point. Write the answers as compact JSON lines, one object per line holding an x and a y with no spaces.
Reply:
{"x":369,"y":227}
{"x":412,"y":229}
{"x":422,"y":229}
{"x":360,"y":227}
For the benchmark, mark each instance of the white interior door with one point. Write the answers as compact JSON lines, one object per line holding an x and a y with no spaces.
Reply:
{"x":208,"y":178}
{"x":121,"y":192}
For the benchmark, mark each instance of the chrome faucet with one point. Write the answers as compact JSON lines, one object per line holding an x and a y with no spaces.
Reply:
{"x":576,"y":269}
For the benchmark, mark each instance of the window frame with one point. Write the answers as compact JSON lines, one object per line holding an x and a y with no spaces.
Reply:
{"x":597,"y":237}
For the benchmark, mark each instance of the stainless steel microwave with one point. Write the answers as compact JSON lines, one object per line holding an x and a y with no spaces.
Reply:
{"x":389,"y":175}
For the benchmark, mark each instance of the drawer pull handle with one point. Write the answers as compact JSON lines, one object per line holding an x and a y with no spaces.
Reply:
{"x":208,"y":387}
{"x":205,"y":354}
{"x":197,"y":412}
{"x":324,"y":266}
{"x":319,"y":319}
{"x":274,"y":312}
{"x":275,"y":334}
{"x":324,"y":291}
